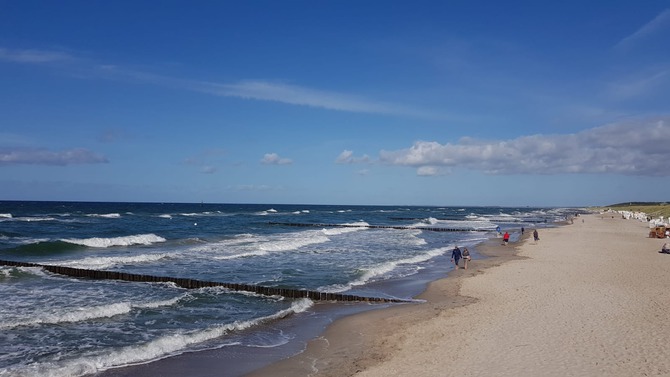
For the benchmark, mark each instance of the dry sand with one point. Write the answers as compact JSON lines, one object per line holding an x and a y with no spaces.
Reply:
{"x":588,"y":299}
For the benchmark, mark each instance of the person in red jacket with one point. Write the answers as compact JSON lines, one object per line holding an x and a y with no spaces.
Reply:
{"x":506,"y":238}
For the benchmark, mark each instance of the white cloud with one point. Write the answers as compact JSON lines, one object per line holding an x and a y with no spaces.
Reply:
{"x":247,"y":89}
{"x":33,"y":56}
{"x":630,"y":148}
{"x":662,"y":20}
{"x":303,"y":96}
{"x":347,"y":157}
{"x":208,"y":170}
{"x":274,"y":159}
{"x":639,"y":86}
{"x":32,"y":156}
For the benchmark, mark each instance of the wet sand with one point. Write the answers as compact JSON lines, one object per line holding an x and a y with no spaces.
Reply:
{"x":589,"y":299}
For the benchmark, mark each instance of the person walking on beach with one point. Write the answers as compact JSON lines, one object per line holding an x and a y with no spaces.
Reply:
{"x":506,"y":238}
{"x":456,"y":256}
{"x":466,"y":257}
{"x":536,"y":236}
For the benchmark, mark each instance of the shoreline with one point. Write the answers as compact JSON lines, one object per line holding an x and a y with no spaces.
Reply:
{"x":321,"y":343}
{"x":353,"y":343}
{"x":589,"y":299}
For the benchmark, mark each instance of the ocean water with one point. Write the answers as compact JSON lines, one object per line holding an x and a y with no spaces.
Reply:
{"x":53,"y":325}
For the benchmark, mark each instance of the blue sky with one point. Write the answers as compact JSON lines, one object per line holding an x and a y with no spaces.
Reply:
{"x":336,"y":102}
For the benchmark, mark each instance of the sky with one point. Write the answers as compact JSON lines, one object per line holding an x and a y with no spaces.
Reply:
{"x":441,"y":103}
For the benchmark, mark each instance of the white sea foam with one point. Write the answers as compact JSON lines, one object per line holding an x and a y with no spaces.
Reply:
{"x":82,"y":314}
{"x":242,"y":255}
{"x":105,"y":215}
{"x":247,"y":245}
{"x":241,"y":246}
{"x":164,"y":346}
{"x":202,"y":214}
{"x":503,"y":218}
{"x":73,"y":315}
{"x":5,"y":272}
{"x":294,"y":241}
{"x":100,"y":263}
{"x":158,"y":304}
{"x":477,"y":223}
{"x":383,"y":269}
{"x":31,"y":218}
{"x":140,"y":239}
{"x":8,"y":271}
{"x":6,"y":215}
{"x":347,"y":228}
{"x":238,"y":241}
{"x":165,"y":216}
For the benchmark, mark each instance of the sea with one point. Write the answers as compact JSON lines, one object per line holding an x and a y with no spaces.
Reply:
{"x":56,"y":325}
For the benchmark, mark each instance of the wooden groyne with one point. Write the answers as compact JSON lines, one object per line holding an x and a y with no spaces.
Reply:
{"x":432,"y":229}
{"x":194,"y":284}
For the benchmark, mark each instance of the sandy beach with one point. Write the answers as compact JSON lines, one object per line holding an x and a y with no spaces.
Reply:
{"x":589,"y":299}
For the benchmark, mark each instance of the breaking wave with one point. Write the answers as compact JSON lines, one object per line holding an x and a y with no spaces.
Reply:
{"x":140,"y":239}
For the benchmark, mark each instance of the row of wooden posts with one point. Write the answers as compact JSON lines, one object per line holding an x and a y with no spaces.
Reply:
{"x":194,"y":284}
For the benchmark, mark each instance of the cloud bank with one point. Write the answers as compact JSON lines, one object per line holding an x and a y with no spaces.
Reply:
{"x":640,"y":148}
{"x":32,"y":156}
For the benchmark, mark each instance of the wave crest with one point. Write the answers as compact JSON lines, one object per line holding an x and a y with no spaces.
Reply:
{"x":173,"y":344}
{"x":89,"y":313}
{"x":140,"y":239}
